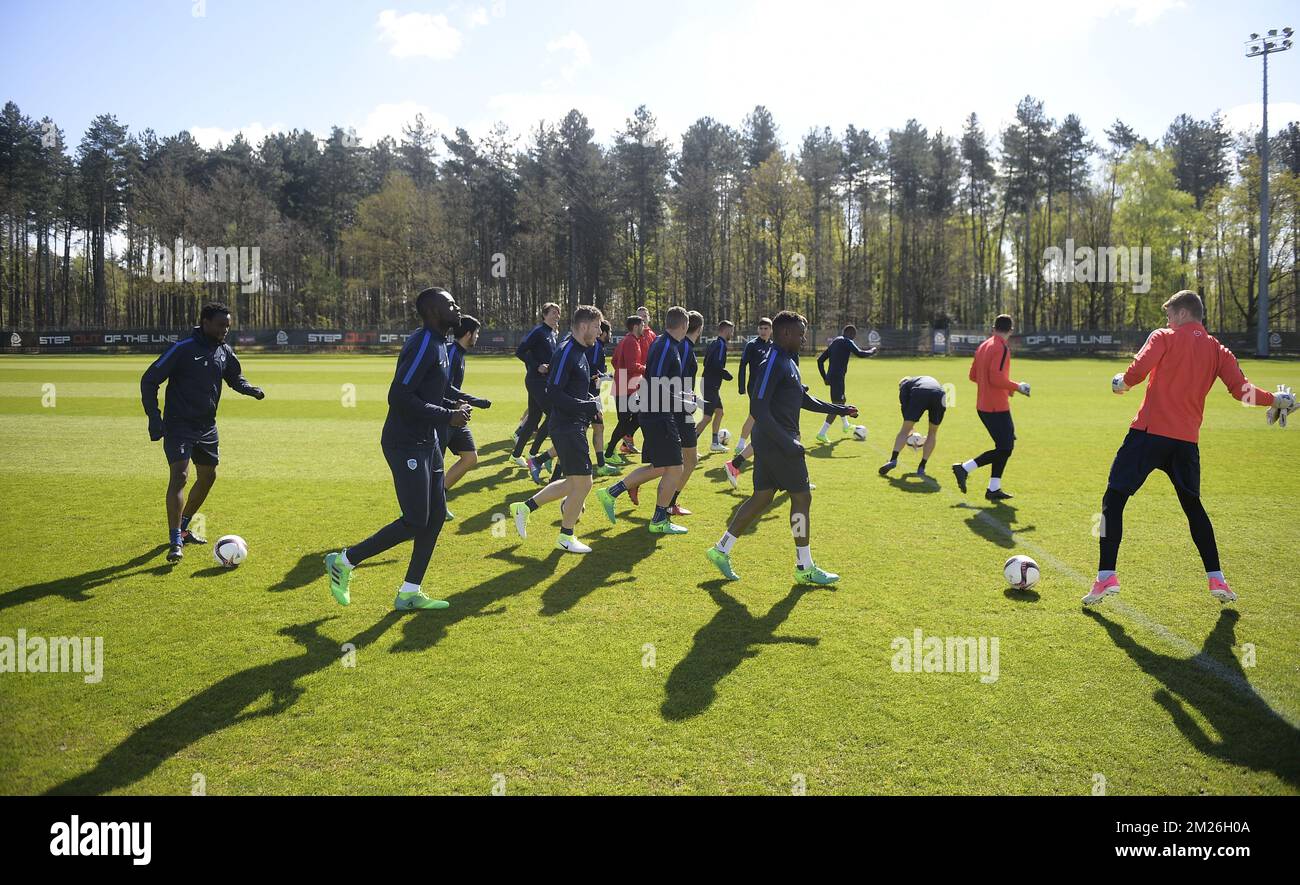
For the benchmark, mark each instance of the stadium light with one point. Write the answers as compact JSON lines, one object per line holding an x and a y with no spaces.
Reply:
{"x":1257,"y":46}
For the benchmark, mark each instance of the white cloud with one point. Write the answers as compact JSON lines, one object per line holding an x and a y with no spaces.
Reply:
{"x":1249,"y":117}
{"x":389,"y":119}
{"x":418,"y":34}
{"x":210,"y":136}
{"x":476,"y":17}
{"x":578,"y":51}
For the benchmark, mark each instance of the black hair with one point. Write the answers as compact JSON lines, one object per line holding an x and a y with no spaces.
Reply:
{"x":467,"y":325}
{"x":213,"y":309}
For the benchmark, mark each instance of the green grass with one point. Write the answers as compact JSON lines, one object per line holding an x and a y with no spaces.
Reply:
{"x":538,"y":672}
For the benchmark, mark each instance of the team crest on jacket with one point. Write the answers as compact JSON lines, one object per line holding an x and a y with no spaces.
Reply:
{"x":410,"y":462}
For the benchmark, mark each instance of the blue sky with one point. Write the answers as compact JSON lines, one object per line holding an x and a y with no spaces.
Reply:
{"x":281,"y":64}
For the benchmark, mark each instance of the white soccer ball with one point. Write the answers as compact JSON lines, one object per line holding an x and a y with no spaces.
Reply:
{"x":859,"y":432}
{"x":1021,"y":572}
{"x":915,"y":440}
{"x":230,"y":550}
{"x":724,"y":436}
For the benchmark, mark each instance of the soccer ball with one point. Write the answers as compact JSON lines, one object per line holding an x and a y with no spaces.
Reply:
{"x":230,"y":550}
{"x":1021,"y":572}
{"x":859,"y":432}
{"x":724,"y":436}
{"x":915,"y":440}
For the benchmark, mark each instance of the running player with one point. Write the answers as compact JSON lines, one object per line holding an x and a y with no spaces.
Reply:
{"x":420,"y":412}
{"x":599,"y":372}
{"x":1182,"y":362}
{"x":715,"y":372}
{"x":573,"y":407}
{"x":754,"y":353}
{"x":991,"y":372}
{"x":837,"y":353}
{"x":780,"y":463}
{"x":194,"y":369}
{"x":917,"y":394}
{"x":659,"y":398}
{"x":536,"y":351}
{"x":461,"y":441}
{"x":629,"y":367}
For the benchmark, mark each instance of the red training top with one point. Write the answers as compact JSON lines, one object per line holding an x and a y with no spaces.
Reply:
{"x":991,"y":371}
{"x":629,"y":364}
{"x":1182,"y":364}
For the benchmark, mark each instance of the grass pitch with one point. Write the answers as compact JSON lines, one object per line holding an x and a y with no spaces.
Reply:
{"x":635,"y":669}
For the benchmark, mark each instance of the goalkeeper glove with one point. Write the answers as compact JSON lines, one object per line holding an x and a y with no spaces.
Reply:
{"x":1283,"y":404}
{"x":1023,"y":387}
{"x":1117,"y":383}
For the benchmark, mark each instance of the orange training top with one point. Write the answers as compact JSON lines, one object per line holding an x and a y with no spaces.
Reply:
{"x":991,"y":371}
{"x":1182,"y":364}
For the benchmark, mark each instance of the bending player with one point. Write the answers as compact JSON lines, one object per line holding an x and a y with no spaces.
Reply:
{"x":838,"y":353}
{"x":780,"y":463}
{"x":573,"y":407}
{"x":917,"y":395}
{"x":461,"y":441}
{"x":1182,"y":361}
{"x":715,"y":372}
{"x":419,"y":415}
{"x":991,"y":372}
{"x":658,"y":399}
{"x":194,"y":369}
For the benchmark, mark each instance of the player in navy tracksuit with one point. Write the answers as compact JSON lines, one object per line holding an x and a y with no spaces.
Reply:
{"x":461,"y":440}
{"x":837,"y":355}
{"x":194,"y":369}
{"x":599,"y":372}
{"x":753,"y":355}
{"x":573,"y":408}
{"x":423,"y":408}
{"x":536,"y":350}
{"x":779,"y":462}
{"x":662,"y":403}
{"x":715,"y":372}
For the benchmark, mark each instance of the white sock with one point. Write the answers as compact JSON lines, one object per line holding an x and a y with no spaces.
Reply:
{"x":827,"y":425}
{"x":728,"y":541}
{"x":969,"y":466}
{"x":845,"y":420}
{"x":344,"y":556}
{"x":408,"y":587}
{"x":740,"y":444}
{"x":995,"y":483}
{"x":1104,"y":574}
{"x":803,"y":556}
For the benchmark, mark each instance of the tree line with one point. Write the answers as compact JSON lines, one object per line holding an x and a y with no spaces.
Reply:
{"x":908,"y":229}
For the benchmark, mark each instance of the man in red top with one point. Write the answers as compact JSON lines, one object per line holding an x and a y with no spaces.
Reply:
{"x":629,"y":366}
{"x":647,"y":338}
{"x":1182,"y":361}
{"x":991,"y":372}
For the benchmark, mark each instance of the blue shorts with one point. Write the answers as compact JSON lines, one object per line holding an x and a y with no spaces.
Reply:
{"x":190,"y":444}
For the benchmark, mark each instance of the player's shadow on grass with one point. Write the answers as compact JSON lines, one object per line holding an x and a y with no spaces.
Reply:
{"x":221,"y":705}
{"x":424,"y":629}
{"x":309,"y":569}
{"x":500,"y":445}
{"x":720,"y":646}
{"x":1250,"y":733}
{"x":910,"y":482}
{"x":994,"y":523}
{"x":483,"y":479}
{"x":621,"y":553}
{"x":75,"y":588}
{"x":824,"y":449}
